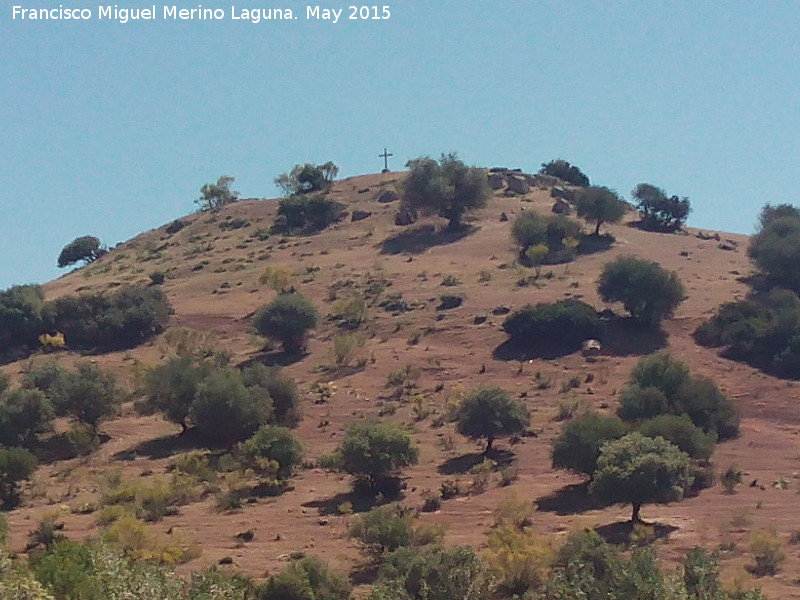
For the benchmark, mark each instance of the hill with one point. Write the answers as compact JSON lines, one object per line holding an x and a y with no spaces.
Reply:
{"x":212,"y":268}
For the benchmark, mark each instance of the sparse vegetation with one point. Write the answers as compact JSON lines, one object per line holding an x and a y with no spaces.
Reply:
{"x":307,"y":178}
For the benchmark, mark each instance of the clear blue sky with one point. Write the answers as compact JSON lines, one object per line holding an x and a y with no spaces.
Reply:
{"x":111,"y":129}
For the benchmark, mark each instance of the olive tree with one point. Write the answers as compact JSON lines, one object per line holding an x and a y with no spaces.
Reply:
{"x":287,"y":319}
{"x":648,"y":291}
{"x":86,"y":248}
{"x":307,"y":178}
{"x":446,"y":187}
{"x":659,"y":211}
{"x":490,"y":413}
{"x":214,"y":196}
{"x":377,"y":451}
{"x":599,"y":205}
{"x":639,"y":470}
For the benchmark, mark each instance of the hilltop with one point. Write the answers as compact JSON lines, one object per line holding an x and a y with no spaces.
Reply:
{"x":212,"y":267}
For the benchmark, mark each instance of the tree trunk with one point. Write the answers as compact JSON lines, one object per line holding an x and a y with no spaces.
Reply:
{"x":597,"y":229}
{"x":635,"y":518}
{"x":489,"y":442}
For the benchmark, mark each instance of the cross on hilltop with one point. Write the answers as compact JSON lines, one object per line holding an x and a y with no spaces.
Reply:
{"x":385,"y":156}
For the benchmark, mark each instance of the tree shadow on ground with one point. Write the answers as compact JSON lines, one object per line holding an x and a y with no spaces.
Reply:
{"x":420,"y":239}
{"x":58,"y":447}
{"x":162,"y":447}
{"x":594,"y":243}
{"x":459,"y":465}
{"x":273,"y":358}
{"x":547,"y":349}
{"x":330,"y":506}
{"x":570,"y":500}
{"x":619,"y":533}
{"x":624,"y":336}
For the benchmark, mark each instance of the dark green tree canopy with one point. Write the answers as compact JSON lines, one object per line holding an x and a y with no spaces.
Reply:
{"x":659,"y":211}
{"x":171,"y":388}
{"x":600,"y":205}
{"x":85,"y":248}
{"x":307,"y":178}
{"x":24,"y":413}
{"x":16,"y":464}
{"x":649,"y":292}
{"x":578,"y":446}
{"x":565,"y":171}
{"x":307,"y":578}
{"x":88,"y":394}
{"x":569,"y":322}
{"x":446,"y":187}
{"x":490,"y":413}
{"x":660,"y":384}
{"x":214,"y":196}
{"x":679,"y":430}
{"x":639,"y":470}
{"x":272,"y":443}
{"x":224,"y":411}
{"x":22,"y":316}
{"x":775,"y":248}
{"x":377,"y":451}
{"x":287,"y":319}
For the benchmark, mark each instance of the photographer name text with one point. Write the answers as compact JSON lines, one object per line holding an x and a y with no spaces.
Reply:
{"x":118,"y":14}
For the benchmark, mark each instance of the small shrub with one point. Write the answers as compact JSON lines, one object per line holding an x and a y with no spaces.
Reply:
{"x":431,"y":502}
{"x":484,"y":276}
{"x":157,"y":277}
{"x":450,"y":301}
{"x":345,"y":347}
{"x":450,"y":488}
{"x":565,"y":171}
{"x":350,"y":312}
{"x":519,"y":560}
{"x":481,"y":475}
{"x":384,"y":529}
{"x":514,"y":513}
{"x":176,"y":226}
{"x":450,"y":281}
{"x":730,"y":478}
{"x":276,"y":278}
{"x":307,"y":578}
{"x":767,"y":551}
{"x":508,"y":475}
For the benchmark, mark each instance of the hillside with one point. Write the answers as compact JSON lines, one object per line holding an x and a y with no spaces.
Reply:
{"x":212,"y":269}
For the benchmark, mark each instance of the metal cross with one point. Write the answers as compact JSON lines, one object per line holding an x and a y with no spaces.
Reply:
{"x":385,"y":156}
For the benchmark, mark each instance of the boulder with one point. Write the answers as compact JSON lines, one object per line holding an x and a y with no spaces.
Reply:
{"x":562,"y":207}
{"x":360,"y":215}
{"x":405,"y":216}
{"x":497,"y":181}
{"x":518,"y":184}
{"x":564,"y":193}
{"x":387,"y":196}
{"x":591,"y":348}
